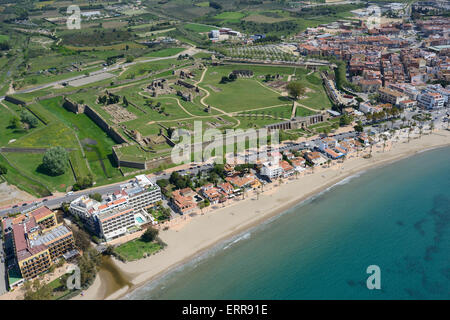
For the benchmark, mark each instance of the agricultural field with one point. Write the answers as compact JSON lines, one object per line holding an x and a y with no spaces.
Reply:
{"x":261,"y":52}
{"x":198,"y":27}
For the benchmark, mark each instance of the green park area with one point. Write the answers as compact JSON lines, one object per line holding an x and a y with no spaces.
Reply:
{"x":137,"y":249}
{"x":243,"y":102}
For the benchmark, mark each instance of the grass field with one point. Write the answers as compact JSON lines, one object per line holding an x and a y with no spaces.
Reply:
{"x":135,"y":249}
{"x":32,"y":168}
{"x":165,"y":52}
{"x":242,"y":94}
{"x":23,"y":181}
{"x":96,"y":143}
{"x":198,"y":27}
{"x":230,"y":16}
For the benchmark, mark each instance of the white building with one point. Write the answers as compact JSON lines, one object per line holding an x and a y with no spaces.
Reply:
{"x":113,"y":216}
{"x":444,"y":92}
{"x":271,"y":170}
{"x":430,"y":100}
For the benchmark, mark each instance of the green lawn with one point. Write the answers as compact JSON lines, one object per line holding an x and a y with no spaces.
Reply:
{"x":135,"y":249}
{"x":165,"y":52}
{"x":242,"y":94}
{"x":22,"y":181}
{"x":96,"y":143}
{"x":30,"y":165}
{"x":6,"y":132}
{"x":230,"y":16}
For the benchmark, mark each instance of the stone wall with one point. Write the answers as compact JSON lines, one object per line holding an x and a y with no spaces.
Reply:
{"x":110,"y":130}
{"x":142,"y":165}
{"x":15,"y":100}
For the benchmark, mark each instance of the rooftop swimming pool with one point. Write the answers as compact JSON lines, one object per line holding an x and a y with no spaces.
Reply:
{"x":139,"y":220}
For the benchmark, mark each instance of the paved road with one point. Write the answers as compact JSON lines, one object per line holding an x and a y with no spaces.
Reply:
{"x":55,"y":202}
{"x":3,"y":276}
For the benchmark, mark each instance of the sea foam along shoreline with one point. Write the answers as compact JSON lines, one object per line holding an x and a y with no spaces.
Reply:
{"x":204,"y":232}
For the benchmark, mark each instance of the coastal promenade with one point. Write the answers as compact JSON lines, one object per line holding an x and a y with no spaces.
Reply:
{"x":204,"y":231}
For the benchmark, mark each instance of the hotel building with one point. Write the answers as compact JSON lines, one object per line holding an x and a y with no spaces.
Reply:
{"x":39,"y":241}
{"x":115,"y":215}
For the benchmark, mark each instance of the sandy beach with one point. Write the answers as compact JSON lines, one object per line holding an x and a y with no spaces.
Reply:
{"x":204,"y":231}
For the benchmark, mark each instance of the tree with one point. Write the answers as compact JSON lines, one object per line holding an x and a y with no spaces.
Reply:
{"x":150,"y":234}
{"x":82,"y":240}
{"x":359,"y":127}
{"x":96,"y":196}
{"x":55,"y":161}
{"x":224,"y":79}
{"x":83,"y":183}
{"x":296,"y":89}
{"x":28,"y":119}
{"x":15,"y":123}
{"x":3,"y":169}
{"x":125,"y":101}
{"x":88,"y":263}
{"x":36,"y":291}
{"x":345,"y":120}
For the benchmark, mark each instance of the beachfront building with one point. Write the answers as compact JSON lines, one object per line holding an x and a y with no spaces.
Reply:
{"x":315,"y":158}
{"x":117,"y":213}
{"x":39,"y":241}
{"x":116,"y":222}
{"x":227,"y":189}
{"x":212,"y":193}
{"x":331,"y":148}
{"x":272,"y":170}
{"x":185,"y":200}
{"x":430,"y":100}
{"x":142,"y":193}
{"x":288,"y":170}
{"x":298,"y":163}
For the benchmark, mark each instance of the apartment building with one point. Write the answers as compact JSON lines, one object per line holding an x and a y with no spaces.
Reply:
{"x":116,"y":222}
{"x":430,"y":100}
{"x":142,"y":193}
{"x":271,"y":170}
{"x":39,"y":241}
{"x":391,"y":96}
{"x":114,"y":216}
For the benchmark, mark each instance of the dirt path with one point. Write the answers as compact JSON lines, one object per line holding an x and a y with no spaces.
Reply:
{"x":294,"y":109}
{"x":1,"y":102}
{"x":178,"y":102}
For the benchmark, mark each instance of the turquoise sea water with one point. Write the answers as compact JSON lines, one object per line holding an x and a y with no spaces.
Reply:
{"x":396,"y":217}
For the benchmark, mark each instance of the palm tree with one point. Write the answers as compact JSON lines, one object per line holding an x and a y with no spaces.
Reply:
{"x":329,"y":162}
{"x":384,"y":141}
{"x":431,"y":126}
{"x":409,"y":131}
